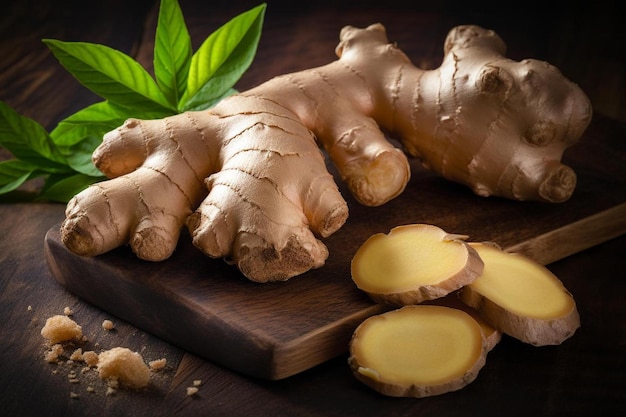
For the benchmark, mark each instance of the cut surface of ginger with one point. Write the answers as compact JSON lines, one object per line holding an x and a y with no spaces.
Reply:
{"x":522,"y":298}
{"x":414,"y":263}
{"x":418,"y":351}
{"x":490,"y":333}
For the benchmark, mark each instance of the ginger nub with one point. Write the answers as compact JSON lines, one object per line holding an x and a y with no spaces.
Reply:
{"x":414,"y":263}
{"x":522,"y":298}
{"x":418,"y":351}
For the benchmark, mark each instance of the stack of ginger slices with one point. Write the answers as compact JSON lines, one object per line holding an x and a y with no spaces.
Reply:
{"x":451,"y":302}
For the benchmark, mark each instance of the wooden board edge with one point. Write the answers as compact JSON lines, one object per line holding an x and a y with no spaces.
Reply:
{"x":575,"y":237}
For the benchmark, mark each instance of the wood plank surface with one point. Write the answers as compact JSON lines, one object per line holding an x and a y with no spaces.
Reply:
{"x":276,"y":330}
{"x":583,"y":377}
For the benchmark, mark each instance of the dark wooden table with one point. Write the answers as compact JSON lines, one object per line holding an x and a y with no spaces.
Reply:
{"x":584,"y":376}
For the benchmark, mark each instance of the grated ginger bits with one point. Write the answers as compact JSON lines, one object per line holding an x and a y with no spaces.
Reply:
{"x":61,"y":328}
{"x":124,"y":365}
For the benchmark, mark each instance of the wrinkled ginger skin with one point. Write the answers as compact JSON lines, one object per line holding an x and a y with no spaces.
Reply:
{"x":496,"y":125}
{"x":161,"y":172}
{"x":249,"y":181}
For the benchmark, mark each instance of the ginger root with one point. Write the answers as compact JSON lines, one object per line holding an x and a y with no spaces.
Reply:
{"x":418,"y":351}
{"x":248,"y":178}
{"x":414,"y":263}
{"x":522,"y":298}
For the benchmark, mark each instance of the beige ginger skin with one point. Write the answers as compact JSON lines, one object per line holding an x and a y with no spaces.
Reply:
{"x":248,"y":179}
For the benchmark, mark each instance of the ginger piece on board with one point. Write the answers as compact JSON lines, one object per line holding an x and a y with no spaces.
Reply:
{"x":418,"y":351}
{"x":522,"y":298}
{"x":414,"y":263}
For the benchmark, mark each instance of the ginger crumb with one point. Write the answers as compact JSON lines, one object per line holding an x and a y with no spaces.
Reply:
{"x":157,"y":364}
{"x":108,"y":325}
{"x":68,"y":311}
{"x":30,"y":308}
{"x":90,"y":389}
{"x":53,"y":354}
{"x":124,"y":365}
{"x":74,"y":395}
{"x":90,"y":358}
{"x":110,"y":391}
{"x":113,"y":382}
{"x":60,"y":329}
{"x":197,"y":383}
{"x":77,"y":355}
{"x":192,"y":390}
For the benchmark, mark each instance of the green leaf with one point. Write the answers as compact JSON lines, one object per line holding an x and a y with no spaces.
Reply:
{"x":202,"y":100}
{"x":63,"y":188}
{"x":28,"y":141}
{"x":94,"y":120}
{"x":109,"y":73}
{"x":222,"y":59}
{"x":79,"y":135}
{"x":79,"y":156}
{"x":172,"y":51}
{"x":14,"y":173}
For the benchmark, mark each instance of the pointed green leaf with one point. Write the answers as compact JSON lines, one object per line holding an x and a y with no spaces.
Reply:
{"x":14,"y":173}
{"x":172,"y":51}
{"x":79,"y":156}
{"x":223,"y":57}
{"x":94,"y":120}
{"x":206,"y":99}
{"x":63,"y":188}
{"x":28,"y":141}
{"x":109,"y":73}
{"x":78,"y":135}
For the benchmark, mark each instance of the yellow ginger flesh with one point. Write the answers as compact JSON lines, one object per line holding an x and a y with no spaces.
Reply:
{"x":525,"y":288}
{"x":522,"y":298}
{"x":414,"y":263}
{"x":418,"y":351}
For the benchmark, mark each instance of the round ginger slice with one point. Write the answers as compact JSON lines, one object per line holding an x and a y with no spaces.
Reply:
{"x":418,"y":351}
{"x":414,"y":263}
{"x":522,"y":298}
{"x":490,"y":333}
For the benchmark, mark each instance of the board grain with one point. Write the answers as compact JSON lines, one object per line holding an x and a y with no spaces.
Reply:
{"x":272,"y":331}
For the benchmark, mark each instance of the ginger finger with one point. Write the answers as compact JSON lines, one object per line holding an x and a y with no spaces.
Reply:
{"x":264,"y":224}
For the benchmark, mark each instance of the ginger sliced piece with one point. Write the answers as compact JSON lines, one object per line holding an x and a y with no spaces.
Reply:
{"x":522,"y":298}
{"x":418,"y":351}
{"x":491,"y":334}
{"x":414,"y":263}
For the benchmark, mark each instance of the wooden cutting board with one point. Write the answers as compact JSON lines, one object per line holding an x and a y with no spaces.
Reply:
{"x":276,"y":330}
